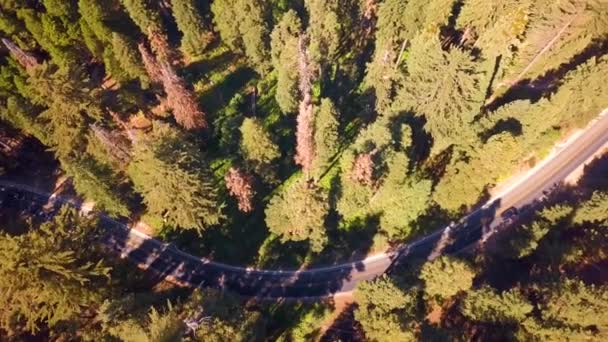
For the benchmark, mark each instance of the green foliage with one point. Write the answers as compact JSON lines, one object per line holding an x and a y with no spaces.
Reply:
{"x":400,"y":198}
{"x":70,"y":100}
{"x":47,"y":275}
{"x":486,"y":305}
{"x":159,"y":327}
{"x":58,"y":37}
{"x":310,"y":326}
{"x":593,"y":210}
{"x":284,"y":52}
{"x":192,"y":26}
{"x":22,"y":115}
{"x":446,"y":276}
{"x":127,"y":57}
{"x":559,"y":31}
{"x":583,"y":91}
{"x":256,"y":143}
{"x":96,"y":182}
{"x":497,"y":26}
{"x":242,"y":26}
{"x":576,"y":304}
{"x":323,"y":28}
{"x":174,"y":180}
{"x":325,"y":136}
{"x":354,"y":200}
{"x":449,"y":96}
{"x":298,"y":213}
{"x":145,"y":14}
{"x":383,"y":310}
{"x":229,"y":319}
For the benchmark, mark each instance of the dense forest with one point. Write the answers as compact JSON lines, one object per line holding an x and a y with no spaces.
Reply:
{"x":289,"y":134}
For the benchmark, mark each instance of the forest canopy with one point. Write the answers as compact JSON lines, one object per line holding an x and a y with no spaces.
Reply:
{"x":285,"y":134}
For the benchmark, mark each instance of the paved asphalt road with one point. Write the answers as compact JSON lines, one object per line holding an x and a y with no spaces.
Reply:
{"x":171,"y":263}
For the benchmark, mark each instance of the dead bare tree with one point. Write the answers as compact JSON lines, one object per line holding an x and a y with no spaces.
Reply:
{"x":115,"y":143}
{"x":305,"y":149}
{"x":26,"y":59}
{"x":363,"y":169}
{"x":240,"y":185}
{"x":180,"y":99}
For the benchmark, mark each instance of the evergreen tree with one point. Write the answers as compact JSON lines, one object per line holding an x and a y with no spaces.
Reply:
{"x":284,"y":51}
{"x":47,"y":275}
{"x":242,"y":26}
{"x":298,"y":213}
{"x":70,"y":100}
{"x":51,"y":34}
{"x":578,"y":305}
{"x":486,"y":305}
{"x":496,"y":27}
{"x":446,"y":276}
{"x":195,"y":36}
{"x":383,"y":309}
{"x":325,"y":137}
{"x":323,"y":29}
{"x":401,"y":198}
{"x":558,"y":32}
{"x":445,"y":87}
{"x":354,"y":200}
{"x":96,"y":182}
{"x":257,"y":146}
{"x":240,"y":185}
{"x":145,"y":15}
{"x":159,"y":327}
{"x":593,"y":210}
{"x":126,"y":55}
{"x":176,"y":184}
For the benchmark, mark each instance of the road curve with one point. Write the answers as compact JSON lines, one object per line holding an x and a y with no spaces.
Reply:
{"x":178,"y":266}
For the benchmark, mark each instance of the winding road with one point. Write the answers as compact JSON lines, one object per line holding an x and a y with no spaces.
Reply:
{"x":170,"y":263}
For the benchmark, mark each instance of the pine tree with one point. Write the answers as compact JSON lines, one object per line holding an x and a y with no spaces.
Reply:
{"x":383,"y":309}
{"x":576,"y":304}
{"x":593,"y":210}
{"x":255,"y":33}
{"x":47,"y":275}
{"x":323,"y":29}
{"x":52,"y":36}
{"x":242,"y":26}
{"x":257,"y":146}
{"x":445,"y":87}
{"x":97,"y":183}
{"x":145,"y":15}
{"x":23,"y":115}
{"x":486,"y":305}
{"x":126,"y":55}
{"x":158,"y":327}
{"x":446,"y":276}
{"x":195,"y":35}
{"x":401,"y":198}
{"x":284,"y":51}
{"x":176,"y":184}
{"x":298,"y":213}
{"x":557,"y":32}
{"x":497,"y":27}
{"x":70,"y":100}
{"x":325,"y":137}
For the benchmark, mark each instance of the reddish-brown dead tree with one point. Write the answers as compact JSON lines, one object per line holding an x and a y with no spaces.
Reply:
{"x":305,"y":148}
{"x":26,"y":59}
{"x":363,"y":169}
{"x":180,"y":99}
{"x":240,"y":185}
